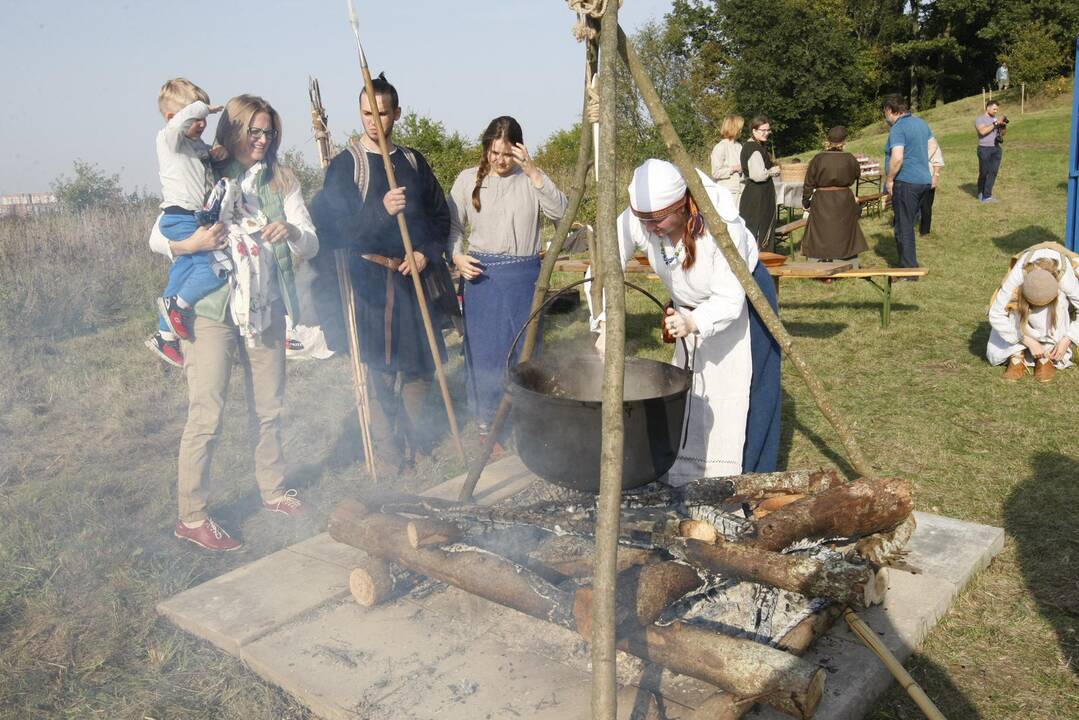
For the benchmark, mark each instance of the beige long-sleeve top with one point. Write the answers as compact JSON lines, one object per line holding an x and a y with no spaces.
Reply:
{"x":509,"y":221}
{"x":725,"y":155}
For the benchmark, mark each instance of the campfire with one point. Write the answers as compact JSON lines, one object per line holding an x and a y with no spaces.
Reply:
{"x":702,"y":589}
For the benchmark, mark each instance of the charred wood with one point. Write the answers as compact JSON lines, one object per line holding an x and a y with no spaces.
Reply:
{"x":837,"y":580}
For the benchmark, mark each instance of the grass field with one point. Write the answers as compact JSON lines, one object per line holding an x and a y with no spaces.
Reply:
{"x":89,"y":426}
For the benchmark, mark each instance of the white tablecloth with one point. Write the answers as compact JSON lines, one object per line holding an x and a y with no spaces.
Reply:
{"x":789,"y":194}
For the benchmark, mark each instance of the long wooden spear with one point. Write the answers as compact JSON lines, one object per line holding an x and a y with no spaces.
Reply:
{"x":406,"y":238}
{"x":344,"y":284}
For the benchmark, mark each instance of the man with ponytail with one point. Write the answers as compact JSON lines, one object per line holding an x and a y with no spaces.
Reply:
{"x":732,"y":413}
{"x":356,"y":210}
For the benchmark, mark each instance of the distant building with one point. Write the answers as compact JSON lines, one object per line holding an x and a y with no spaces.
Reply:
{"x":23,"y":204}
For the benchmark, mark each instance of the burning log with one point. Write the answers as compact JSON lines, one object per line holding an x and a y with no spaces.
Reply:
{"x":756,"y":486}
{"x":372,"y":582}
{"x":883,"y":548}
{"x":861,"y":507}
{"x":643,"y":592}
{"x":431,"y":533}
{"x":574,"y":556}
{"x":846,"y":583}
{"x":479,"y":572}
{"x":771,"y":504}
{"x":743,"y":668}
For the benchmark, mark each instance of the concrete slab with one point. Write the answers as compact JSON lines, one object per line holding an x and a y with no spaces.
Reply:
{"x":241,"y":606}
{"x":449,"y":654}
{"x":501,"y":479}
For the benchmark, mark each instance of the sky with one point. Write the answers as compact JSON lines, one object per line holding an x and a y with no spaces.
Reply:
{"x":81,"y":77}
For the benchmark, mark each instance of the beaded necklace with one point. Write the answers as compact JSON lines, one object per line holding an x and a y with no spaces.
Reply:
{"x":676,"y":257}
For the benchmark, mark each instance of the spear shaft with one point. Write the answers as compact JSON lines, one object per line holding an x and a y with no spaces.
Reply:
{"x":406,"y":238}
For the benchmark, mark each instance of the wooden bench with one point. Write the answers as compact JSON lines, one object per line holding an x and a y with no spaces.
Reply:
{"x":868,"y":203}
{"x":889,"y":275}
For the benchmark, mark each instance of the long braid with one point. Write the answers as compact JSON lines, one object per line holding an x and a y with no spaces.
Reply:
{"x":694,"y":229}
{"x":501,"y":128}
{"x":481,"y":173}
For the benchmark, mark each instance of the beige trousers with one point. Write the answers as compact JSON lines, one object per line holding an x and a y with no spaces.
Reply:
{"x":208,"y":366}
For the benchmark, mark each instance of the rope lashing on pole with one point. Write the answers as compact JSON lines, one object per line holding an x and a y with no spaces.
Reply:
{"x":582,"y":30}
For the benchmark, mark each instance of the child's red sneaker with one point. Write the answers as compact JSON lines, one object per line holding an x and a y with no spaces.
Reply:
{"x":178,"y":319}
{"x":167,"y":350}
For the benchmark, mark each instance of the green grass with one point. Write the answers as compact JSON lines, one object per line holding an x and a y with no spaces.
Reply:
{"x":89,"y":426}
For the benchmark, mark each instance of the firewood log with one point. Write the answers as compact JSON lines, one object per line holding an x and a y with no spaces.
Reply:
{"x":574,"y":556}
{"x":771,"y":504}
{"x":837,"y":580}
{"x":479,"y":572}
{"x":643,"y":593}
{"x":430,"y":533}
{"x":372,"y":582}
{"x":755,"y":486}
{"x":698,"y":530}
{"x":883,"y":548}
{"x":861,"y":507}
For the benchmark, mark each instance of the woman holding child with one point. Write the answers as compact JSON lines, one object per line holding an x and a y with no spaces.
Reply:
{"x":243,"y":322}
{"x":500,"y":201}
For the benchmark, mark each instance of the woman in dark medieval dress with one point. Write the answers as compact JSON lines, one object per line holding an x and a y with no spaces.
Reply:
{"x":758,"y":202}
{"x":833,"y":232}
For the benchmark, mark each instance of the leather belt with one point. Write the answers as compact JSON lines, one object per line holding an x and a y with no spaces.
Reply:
{"x":391,"y":265}
{"x":832,"y":189}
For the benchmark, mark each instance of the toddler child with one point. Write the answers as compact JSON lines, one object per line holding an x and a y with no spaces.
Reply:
{"x":1031,"y":314}
{"x":186,"y":178}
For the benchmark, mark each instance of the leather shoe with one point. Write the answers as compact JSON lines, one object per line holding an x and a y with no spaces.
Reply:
{"x":1044,"y":371}
{"x":287,"y":504}
{"x":208,"y":535}
{"x":1016,"y":369}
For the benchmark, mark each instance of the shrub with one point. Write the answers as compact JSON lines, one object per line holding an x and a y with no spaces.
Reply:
{"x":90,"y":188}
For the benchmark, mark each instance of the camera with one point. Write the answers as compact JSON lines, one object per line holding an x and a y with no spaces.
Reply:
{"x":1002,"y":126}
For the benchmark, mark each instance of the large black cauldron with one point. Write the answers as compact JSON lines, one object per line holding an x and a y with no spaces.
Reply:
{"x":557,"y":418}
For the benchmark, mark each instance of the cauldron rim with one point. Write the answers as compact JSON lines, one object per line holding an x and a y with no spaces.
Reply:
{"x":514,"y":385}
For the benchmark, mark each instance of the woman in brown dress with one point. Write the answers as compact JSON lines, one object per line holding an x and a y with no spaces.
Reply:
{"x":833,"y":232}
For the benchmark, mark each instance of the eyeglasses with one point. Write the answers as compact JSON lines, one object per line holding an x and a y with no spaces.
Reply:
{"x":764,"y":129}
{"x":256,"y":132}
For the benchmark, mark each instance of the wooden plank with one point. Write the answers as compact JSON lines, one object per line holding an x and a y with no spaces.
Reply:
{"x":808,"y":269}
{"x":883,"y":272}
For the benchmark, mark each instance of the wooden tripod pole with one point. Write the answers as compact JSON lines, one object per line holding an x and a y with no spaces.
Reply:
{"x":406,"y":239}
{"x":344,"y":284}
{"x":867,"y":636}
{"x":543,"y":283}
{"x":718,"y":229}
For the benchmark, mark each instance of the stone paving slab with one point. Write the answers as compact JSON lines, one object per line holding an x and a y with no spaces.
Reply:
{"x":452,"y":655}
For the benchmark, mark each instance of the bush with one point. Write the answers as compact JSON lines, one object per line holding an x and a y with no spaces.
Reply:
{"x":1033,"y":57}
{"x":90,"y":188}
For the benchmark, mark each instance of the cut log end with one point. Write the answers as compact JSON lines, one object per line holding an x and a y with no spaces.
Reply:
{"x":432,"y":533}
{"x":698,"y":530}
{"x":874,"y":591}
{"x":372,"y":582}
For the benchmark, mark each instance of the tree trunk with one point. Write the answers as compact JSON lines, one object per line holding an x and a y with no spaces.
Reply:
{"x":837,"y":580}
{"x":862,"y":507}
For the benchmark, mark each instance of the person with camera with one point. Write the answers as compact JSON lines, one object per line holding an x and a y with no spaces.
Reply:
{"x":991,"y":129}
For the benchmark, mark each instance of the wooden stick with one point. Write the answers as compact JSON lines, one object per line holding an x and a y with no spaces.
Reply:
{"x":862,"y":507}
{"x":344,"y":284}
{"x":867,"y":636}
{"x":604,"y":676}
{"x":543,"y":283}
{"x":718,"y":228}
{"x":406,"y":240}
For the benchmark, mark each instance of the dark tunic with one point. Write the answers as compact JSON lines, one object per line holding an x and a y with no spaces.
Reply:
{"x":343,"y":220}
{"x":758,"y":203}
{"x":833,"y":232}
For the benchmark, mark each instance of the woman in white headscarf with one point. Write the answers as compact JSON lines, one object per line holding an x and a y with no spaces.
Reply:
{"x":711,"y":313}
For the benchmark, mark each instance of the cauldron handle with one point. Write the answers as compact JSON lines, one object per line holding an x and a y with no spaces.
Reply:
{"x":548,"y":301}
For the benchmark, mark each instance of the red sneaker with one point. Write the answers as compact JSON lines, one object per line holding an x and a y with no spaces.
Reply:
{"x":167,"y":350}
{"x":178,"y":319}
{"x":288,"y":504}
{"x":209,"y":535}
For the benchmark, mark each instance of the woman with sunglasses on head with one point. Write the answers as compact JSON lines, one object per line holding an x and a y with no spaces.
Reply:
{"x":732,"y":412}
{"x":758,"y":202}
{"x":243,"y":322}
{"x":500,"y":201}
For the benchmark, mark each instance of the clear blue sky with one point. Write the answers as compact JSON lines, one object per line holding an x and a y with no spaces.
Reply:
{"x":81,"y":77}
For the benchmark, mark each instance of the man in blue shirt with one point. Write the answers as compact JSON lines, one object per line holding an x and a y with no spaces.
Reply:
{"x":907,"y":172}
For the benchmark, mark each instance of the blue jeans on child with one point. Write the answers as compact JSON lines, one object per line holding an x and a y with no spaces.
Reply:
{"x":191,"y":277}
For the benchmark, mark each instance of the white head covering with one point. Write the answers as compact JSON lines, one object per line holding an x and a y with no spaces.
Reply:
{"x":656,"y":185}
